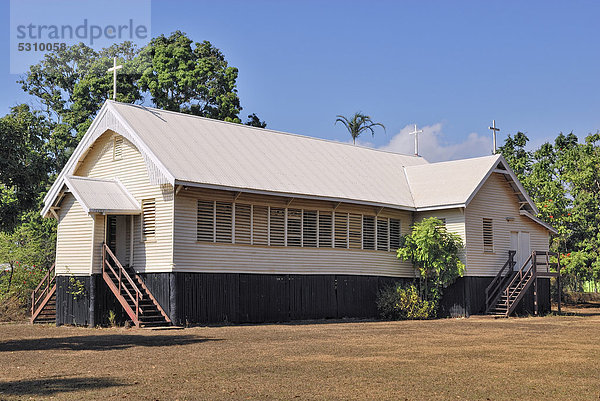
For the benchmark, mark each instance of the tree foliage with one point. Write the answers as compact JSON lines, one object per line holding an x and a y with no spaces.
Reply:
{"x":435,"y":254}
{"x":357,"y":124}
{"x":563,"y":179}
{"x":24,"y":162}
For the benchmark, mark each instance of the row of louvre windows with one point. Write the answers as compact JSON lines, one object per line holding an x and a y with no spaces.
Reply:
{"x":238,"y":223}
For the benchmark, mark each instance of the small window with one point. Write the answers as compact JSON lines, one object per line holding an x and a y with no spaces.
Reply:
{"x":294,"y":227}
{"x":369,"y":232}
{"x":394,"y":234}
{"x":205,"y":226}
{"x":118,"y":148}
{"x":341,"y":230}
{"x":148,"y":218}
{"x":223,"y":214}
{"x":325,"y":230}
{"x":488,"y":235}
{"x":383,"y":234}
{"x":277,"y":227}
{"x":243,"y":221}
{"x":309,"y":229}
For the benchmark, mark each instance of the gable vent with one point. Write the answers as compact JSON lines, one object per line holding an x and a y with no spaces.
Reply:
{"x":118,"y":148}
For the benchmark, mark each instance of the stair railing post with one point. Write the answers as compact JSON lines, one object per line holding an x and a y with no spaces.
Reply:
{"x":534,"y":277}
{"x":120,"y":278}
{"x":137,"y":307}
{"x":558,"y":281}
{"x":32,"y":302}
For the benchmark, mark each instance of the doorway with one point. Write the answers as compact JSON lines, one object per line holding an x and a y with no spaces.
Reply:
{"x":520,"y":243}
{"x":116,"y":236}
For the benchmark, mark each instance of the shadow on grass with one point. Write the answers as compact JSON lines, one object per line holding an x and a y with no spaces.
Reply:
{"x":99,"y":342}
{"x":47,"y":386}
{"x":582,"y":309}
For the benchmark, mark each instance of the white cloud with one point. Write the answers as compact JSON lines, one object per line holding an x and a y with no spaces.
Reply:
{"x":435,"y":147}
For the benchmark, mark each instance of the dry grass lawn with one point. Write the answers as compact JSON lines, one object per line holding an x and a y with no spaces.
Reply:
{"x":480,"y":358}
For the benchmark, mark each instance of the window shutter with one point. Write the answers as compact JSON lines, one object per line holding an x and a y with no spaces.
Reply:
{"x":325,"y":230}
{"x":341,"y":230}
{"x":149,"y":218}
{"x":277,"y":227}
{"x":205,"y":225}
{"x":382,"y":234}
{"x":294,"y":227}
{"x":223,"y":223}
{"x":394,"y":234}
{"x":355,"y":231}
{"x":309,"y":229}
{"x":369,"y":232}
{"x":488,"y":235}
{"x":243,"y":229}
{"x":260,"y":225}
{"x":118,"y":148}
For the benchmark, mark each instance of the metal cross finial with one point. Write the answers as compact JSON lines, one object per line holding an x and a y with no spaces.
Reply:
{"x":494,"y":130}
{"x":114,"y":69}
{"x":416,"y":134}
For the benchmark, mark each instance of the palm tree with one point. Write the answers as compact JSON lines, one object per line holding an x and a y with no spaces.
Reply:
{"x":358,"y":124}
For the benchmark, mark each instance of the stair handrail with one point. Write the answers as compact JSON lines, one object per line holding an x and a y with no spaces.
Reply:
{"x":122,"y":273}
{"x":526,"y":273}
{"x":497,"y":281}
{"x":48,"y":279}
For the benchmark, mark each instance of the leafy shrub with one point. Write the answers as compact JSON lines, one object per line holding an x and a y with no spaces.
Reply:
{"x":398,"y":302}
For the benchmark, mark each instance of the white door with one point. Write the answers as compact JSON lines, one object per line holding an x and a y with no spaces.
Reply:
{"x":520,"y":242}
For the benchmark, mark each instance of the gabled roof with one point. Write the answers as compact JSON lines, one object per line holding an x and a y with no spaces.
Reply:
{"x":102,"y":196}
{"x":181,"y":149}
{"x":455,"y":183}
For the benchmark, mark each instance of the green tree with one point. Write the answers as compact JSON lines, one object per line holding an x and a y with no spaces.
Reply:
{"x":435,"y":254}
{"x":357,"y":124}
{"x":24,"y":162}
{"x":73,"y":83}
{"x":190,"y":78}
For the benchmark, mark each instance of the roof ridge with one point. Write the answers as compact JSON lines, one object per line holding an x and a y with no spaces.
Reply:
{"x":269,"y":130}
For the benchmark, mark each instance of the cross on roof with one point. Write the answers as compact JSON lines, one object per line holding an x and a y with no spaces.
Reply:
{"x":494,"y":130}
{"x":114,"y":69}
{"x":416,"y":134}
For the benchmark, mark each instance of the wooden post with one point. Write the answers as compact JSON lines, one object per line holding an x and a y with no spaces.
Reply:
{"x":534,"y":277}
{"x":558,"y":282}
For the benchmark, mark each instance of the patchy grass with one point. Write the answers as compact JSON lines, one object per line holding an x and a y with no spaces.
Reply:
{"x":554,"y":357}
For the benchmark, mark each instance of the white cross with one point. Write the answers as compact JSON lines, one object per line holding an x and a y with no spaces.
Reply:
{"x":416,"y":134}
{"x":114,"y":69}
{"x":494,"y":130}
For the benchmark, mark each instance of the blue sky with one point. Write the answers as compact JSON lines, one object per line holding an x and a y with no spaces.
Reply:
{"x":448,"y":66}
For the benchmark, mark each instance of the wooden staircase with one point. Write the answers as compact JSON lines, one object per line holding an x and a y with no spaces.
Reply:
{"x":509,"y":287}
{"x":43,"y":299}
{"x":131,"y":292}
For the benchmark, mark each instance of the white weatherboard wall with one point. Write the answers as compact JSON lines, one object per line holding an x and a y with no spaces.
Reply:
{"x":194,"y":256}
{"x":73,"y":239}
{"x":495,"y":200}
{"x":154,"y":255}
{"x":455,"y":223}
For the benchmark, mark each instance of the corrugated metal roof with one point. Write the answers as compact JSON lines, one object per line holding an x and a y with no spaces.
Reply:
{"x":184,"y":149}
{"x":206,"y":151}
{"x":448,"y":183}
{"x":102,"y":196}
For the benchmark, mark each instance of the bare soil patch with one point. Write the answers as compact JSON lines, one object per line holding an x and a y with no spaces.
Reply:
{"x":553,"y":357}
